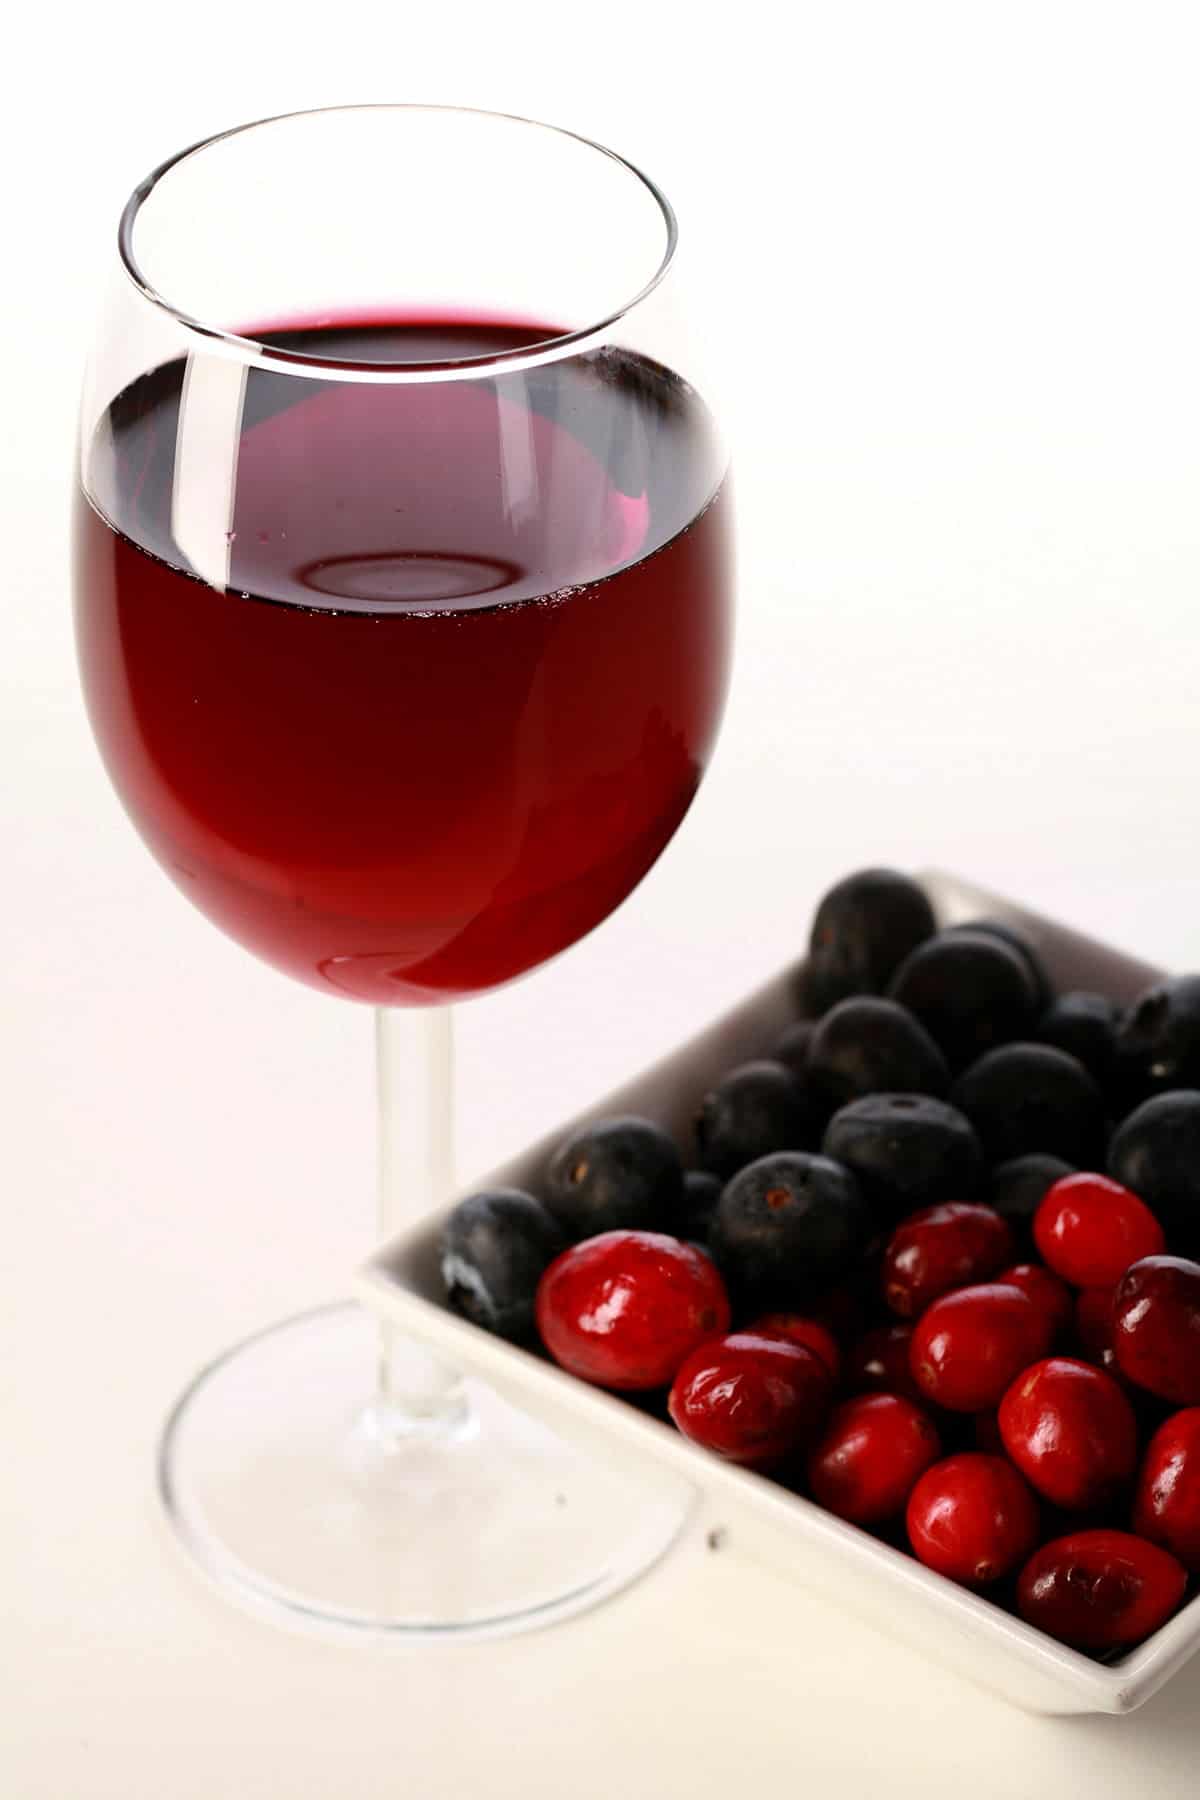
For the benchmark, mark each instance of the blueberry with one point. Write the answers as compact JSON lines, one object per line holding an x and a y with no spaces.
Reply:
{"x":906,"y":1151}
{"x":615,"y":1175}
{"x":868,"y":1046}
{"x":1019,"y":1186}
{"x":1025,"y":1097}
{"x":495,"y":1247}
{"x":970,"y":991}
{"x":863,"y":929}
{"x":1084,"y":1025}
{"x":1158,"y":1040}
{"x":754,"y":1109}
{"x":1024,"y":947}
{"x":701,"y":1191}
{"x":1156,"y":1152}
{"x":789,"y":1224}
{"x":792,"y":1048}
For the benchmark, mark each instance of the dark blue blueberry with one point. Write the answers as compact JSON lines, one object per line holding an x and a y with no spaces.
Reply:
{"x":906,"y":1151}
{"x":495,"y":1247}
{"x":1156,"y":1152}
{"x":971,"y":992}
{"x":616,"y":1175}
{"x":792,"y":1048}
{"x":701,"y":1191}
{"x":1025,"y":1097}
{"x":1085,"y":1026}
{"x":864,"y":928}
{"x":1024,"y":946}
{"x":788,"y":1225}
{"x":871,"y":1046}
{"x":1158,"y":1040}
{"x":754,"y":1109}
{"x":1018,"y":1188}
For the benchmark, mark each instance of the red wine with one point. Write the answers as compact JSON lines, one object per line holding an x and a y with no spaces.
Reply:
{"x":457,"y":678}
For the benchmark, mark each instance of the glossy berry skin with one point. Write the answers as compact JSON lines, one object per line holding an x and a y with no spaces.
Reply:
{"x":810,"y":1334}
{"x":1071,"y":1432}
{"x":1156,"y":1152}
{"x":1023,"y":945}
{"x":1158,"y":1040}
{"x":622,"y":1173}
{"x":1166,"y":1504}
{"x":906,"y":1150}
{"x":969,"y":1346}
{"x":1025,"y":1098}
{"x":1100,"y":1590}
{"x":753,"y":1400}
{"x":495,"y":1248}
{"x":970,"y":990}
{"x":973,"y":1519}
{"x":787,"y":1225}
{"x":868,"y":1046}
{"x":879,"y":1364}
{"x":870,"y":1456}
{"x":939,"y":1248}
{"x":1089,"y":1229}
{"x":1048,"y":1292}
{"x":864,"y":928}
{"x":1018,"y":1187}
{"x":624,"y":1309}
{"x":754,"y":1109}
{"x":1156,"y":1327}
{"x":1085,"y":1026}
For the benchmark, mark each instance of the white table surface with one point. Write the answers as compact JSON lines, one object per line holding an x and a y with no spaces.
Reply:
{"x":951,"y":256}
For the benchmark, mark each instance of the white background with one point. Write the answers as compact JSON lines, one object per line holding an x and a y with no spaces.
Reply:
{"x":951,"y":255}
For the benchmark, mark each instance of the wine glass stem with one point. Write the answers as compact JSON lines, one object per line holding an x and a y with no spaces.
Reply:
{"x":414,"y":1052}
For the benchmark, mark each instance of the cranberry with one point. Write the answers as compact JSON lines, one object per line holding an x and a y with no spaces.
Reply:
{"x":1093,"y":1327}
{"x":1100,"y":1590}
{"x":810,"y":1334}
{"x":1156,"y":1327}
{"x":941,"y":1248}
{"x":1166,"y":1507}
{"x":623,"y":1309}
{"x":1071,"y":1432}
{"x":872,"y":1453}
{"x":753,"y":1400}
{"x":1050,"y":1294}
{"x":972,"y":1518}
{"x":879,"y":1363}
{"x":969,"y":1346}
{"x":1089,"y":1229}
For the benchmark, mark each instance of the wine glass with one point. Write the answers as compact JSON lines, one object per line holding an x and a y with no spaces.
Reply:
{"x":403,"y":592}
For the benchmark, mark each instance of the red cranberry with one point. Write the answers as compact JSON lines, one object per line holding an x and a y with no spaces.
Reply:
{"x":1089,"y":1229}
{"x":1100,"y":1590}
{"x":753,"y":1400}
{"x":969,"y":1346}
{"x":871,"y":1454}
{"x":1156,"y":1327}
{"x":1166,"y":1507}
{"x":810,"y":1334}
{"x":972,"y":1518}
{"x":1093,"y":1327}
{"x":941,"y":1248}
{"x":624,"y":1309}
{"x":1071,"y":1432}
{"x":1050,"y":1294}
{"x":879,"y":1364}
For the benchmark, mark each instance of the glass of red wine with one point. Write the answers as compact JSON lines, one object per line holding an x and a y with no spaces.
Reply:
{"x":403,"y":595}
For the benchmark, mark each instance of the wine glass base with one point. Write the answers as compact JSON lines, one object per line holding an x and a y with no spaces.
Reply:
{"x":276,"y":1487}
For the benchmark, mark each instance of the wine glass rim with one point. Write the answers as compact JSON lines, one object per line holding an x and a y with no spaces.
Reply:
{"x":522,"y":355}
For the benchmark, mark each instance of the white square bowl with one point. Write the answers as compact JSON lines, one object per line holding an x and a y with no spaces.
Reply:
{"x":797,"y":1539}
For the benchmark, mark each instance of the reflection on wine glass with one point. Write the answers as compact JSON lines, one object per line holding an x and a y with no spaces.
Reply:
{"x":403,"y":589}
